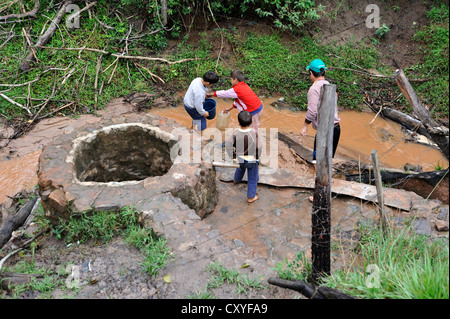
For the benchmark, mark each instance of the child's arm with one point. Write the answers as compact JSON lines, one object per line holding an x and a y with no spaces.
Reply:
{"x":226,"y":94}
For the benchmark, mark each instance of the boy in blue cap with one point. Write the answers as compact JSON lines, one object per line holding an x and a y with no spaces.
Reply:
{"x":317,"y":75}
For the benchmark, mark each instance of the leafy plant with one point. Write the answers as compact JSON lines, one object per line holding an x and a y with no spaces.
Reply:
{"x":382,"y":31}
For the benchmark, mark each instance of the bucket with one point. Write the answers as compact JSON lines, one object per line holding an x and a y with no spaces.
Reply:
{"x":210,"y":107}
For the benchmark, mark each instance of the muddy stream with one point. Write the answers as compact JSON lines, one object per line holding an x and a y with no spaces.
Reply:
{"x":358,"y":138}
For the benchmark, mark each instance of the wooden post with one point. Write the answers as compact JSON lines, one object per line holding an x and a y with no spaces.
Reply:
{"x":379,"y":185}
{"x":438,"y":133}
{"x":321,"y":210}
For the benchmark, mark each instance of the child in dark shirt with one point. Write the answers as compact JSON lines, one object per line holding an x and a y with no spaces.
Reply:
{"x":243,"y":145}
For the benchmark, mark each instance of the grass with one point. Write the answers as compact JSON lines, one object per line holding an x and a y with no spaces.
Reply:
{"x":220,"y":275}
{"x":99,"y":227}
{"x":103,"y":226}
{"x":395,"y":265}
{"x":273,"y":65}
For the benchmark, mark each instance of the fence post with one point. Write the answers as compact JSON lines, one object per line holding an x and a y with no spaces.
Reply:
{"x":321,"y":208}
{"x":379,"y":185}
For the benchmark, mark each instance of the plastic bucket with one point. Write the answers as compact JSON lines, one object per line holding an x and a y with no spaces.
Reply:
{"x":210,"y":107}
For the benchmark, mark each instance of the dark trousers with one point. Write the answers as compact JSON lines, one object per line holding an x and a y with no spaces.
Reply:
{"x":336,"y":135}
{"x":252,"y":176}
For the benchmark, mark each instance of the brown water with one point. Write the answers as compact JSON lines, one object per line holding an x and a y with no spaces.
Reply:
{"x":18,"y":174}
{"x":358,"y":139}
{"x":358,"y":136}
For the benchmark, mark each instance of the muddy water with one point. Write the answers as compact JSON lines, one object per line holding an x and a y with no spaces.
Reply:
{"x":358,"y":139}
{"x":358,"y":136}
{"x":18,"y":174}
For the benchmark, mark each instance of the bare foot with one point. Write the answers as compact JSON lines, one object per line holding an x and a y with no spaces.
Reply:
{"x":251,"y":200}
{"x":311,"y":199}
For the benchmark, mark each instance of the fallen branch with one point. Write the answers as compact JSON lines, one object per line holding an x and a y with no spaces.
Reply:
{"x":151,"y":74}
{"x":15,"y":103}
{"x":43,"y":40}
{"x":120,"y":56}
{"x":440,"y":135}
{"x":11,"y":221}
{"x":310,"y":291}
{"x":30,"y":14}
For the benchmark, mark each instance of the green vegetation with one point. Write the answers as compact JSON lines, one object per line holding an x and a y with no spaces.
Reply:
{"x":395,"y":265}
{"x":273,"y":63}
{"x":221,"y":276}
{"x":99,"y":227}
{"x":105,"y":225}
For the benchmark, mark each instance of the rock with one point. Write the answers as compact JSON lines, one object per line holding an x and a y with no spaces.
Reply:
{"x":441,"y":225}
{"x":422,"y":227}
{"x":443,"y":213}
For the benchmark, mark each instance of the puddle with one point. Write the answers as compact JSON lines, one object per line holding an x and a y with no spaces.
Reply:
{"x":358,"y":136}
{"x":18,"y":174}
{"x":358,"y":139}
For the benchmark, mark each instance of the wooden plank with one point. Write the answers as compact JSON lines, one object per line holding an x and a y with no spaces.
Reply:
{"x":395,"y":198}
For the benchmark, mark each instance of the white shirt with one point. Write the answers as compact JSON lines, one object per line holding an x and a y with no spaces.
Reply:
{"x":195,"y":96}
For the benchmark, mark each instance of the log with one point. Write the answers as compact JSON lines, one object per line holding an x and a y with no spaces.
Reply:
{"x":8,"y":278}
{"x":310,"y":291}
{"x":438,"y":134}
{"x":11,"y":221}
{"x":43,"y":40}
{"x":432,"y":177}
{"x":30,"y":14}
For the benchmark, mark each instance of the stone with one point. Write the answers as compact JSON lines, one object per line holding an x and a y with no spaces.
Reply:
{"x":422,"y":227}
{"x":441,"y":225}
{"x":443,"y":213}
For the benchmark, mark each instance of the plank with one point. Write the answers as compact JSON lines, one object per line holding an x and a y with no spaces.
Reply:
{"x":395,"y":198}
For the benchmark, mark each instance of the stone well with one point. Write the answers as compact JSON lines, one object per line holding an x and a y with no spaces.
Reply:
{"x":121,"y":162}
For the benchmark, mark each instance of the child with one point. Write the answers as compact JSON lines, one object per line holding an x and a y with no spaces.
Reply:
{"x":195,"y":97}
{"x":317,"y":75}
{"x":244,"y":98}
{"x":243,"y":145}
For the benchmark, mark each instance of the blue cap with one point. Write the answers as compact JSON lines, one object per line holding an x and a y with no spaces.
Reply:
{"x":316,"y":65}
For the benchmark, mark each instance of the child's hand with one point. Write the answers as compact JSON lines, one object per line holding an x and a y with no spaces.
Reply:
{"x":209,"y":95}
{"x":206,"y":114}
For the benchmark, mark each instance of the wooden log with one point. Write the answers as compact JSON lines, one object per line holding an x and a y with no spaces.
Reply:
{"x":11,"y":221}
{"x":43,"y":40}
{"x":432,"y":177}
{"x":321,"y":208}
{"x":438,"y":134}
{"x":7,"y":279}
{"x":29,"y":14}
{"x":308,"y":290}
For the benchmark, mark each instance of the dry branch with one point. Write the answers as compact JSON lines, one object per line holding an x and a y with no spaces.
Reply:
{"x":440,"y":135}
{"x":30,"y":14}
{"x":43,"y":40}
{"x":120,"y":56}
{"x":309,"y":291}
{"x":11,"y":221}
